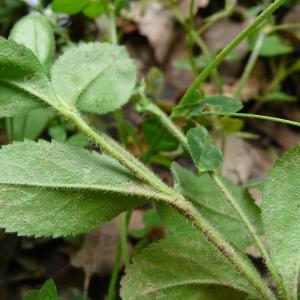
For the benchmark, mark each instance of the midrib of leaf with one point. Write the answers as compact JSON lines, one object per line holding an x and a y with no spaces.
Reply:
{"x":145,"y":192}
{"x":192,"y":198}
{"x":195,"y":282}
{"x":97,"y":76}
{"x":35,"y":38}
{"x":28,"y":91}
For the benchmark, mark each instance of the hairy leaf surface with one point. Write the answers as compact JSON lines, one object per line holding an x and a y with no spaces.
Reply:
{"x":206,"y":156}
{"x":206,"y":196}
{"x":182,"y":267}
{"x":281,"y":216}
{"x":58,"y":189}
{"x":97,"y":77}
{"x":35,"y":33}
{"x":24,"y":83}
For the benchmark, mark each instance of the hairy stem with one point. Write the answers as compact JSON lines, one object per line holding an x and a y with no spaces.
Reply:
{"x":111,"y":295}
{"x":173,"y":198}
{"x":183,"y":140}
{"x":232,"y":45}
{"x":191,"y":213}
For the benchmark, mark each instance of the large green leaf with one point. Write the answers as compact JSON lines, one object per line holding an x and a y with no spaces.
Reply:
{"x":57,"y":189}
{"x":97,"y":77}
{"x":24,"y":83}
{"x":210,"y":201}
{"x":281,"y":216}
{"x":35,"y":33}
{"x":182,"y":267}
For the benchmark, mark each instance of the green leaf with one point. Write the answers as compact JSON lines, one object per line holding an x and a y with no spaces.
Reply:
{"x":58,"y":133}
{"x":183,"y":108}
{"x":47,"y":292}
{"x":206,"y":156}
{"x":35,"y":33}
{"x":280,"y":96}
{"x":98,"y":77}
{"x":281,"y":215}
{"x":218,"y":104}
{"x":30,"y":126}
{"x":70,"y":7}
{"x":202,"y":191}
{"x":183,"y":267}
{"x":94,"y":10}
{"x":52,"y":189}
{"x":273,"y":45}
{"x":24,"y":83}
{"x":78,"y":139}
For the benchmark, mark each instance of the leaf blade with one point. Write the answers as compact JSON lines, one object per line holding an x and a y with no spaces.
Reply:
{"x":97,"y":77}
{"x":57,"y":189}
{"x":168,"y":269}
{"x":281,"y":214}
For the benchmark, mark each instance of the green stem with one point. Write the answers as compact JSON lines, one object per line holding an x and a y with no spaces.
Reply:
{"x":125,"y":217}
{"x":111,"y":295}
{"x":195,"y":36}
{"x":244,"y":219}
{"x":232,"y":45}
{"x":177,"y":133}
{"x":172,"y":197}
{"x":284,"y":27}
{"x":115,"y":150}
{"x":261,"y":117}
{"x":250,"y":64}
{"x":191,"y":213}
{"x":10,"y":128}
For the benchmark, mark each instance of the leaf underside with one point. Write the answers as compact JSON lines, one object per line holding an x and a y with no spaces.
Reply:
{"x":281,"y":216}
{"x":52,"y":189}
{"x":23,"y":80}
{"x":97,"y":77}
{"x":208,"y":199}
{"x":182,"y":267}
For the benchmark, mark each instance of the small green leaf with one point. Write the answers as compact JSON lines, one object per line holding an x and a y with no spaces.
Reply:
{"x":281,"y":215}
{"x":78,"y":139}
{"x":35,"y":33}
{"x":95,"y":10}
{"x":203,"y":192}
{"x":205,"y":155}
{"x":52,"y":189}
{"x":273,"y":45}
{"x":58,"y":133}
{"x":218,"y":104}
{"x":184,"y":107}
{"x":183,"y":267}
{"x":24,"y":82}
{"x":70,"y":7}
{"x":97,"y":77}
{"x":280,"y":96}
{"x":47,"y":292}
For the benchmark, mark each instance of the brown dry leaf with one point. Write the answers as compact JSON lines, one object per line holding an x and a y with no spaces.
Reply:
{"x":243,"y":161}
{"x":97,"y":253}
{"x":222,"y":32}
{"x":156,"y":23}
{"x":282,"y":135}
{"x":184,"y":6}
{"x":293,"y":15}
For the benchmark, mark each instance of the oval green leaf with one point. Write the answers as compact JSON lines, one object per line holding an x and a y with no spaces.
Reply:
{"x":97,"y":77}
{"x":35,"y":33}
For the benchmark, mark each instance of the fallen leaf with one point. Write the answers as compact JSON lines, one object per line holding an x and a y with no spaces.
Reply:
{"x":243,"y":161}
